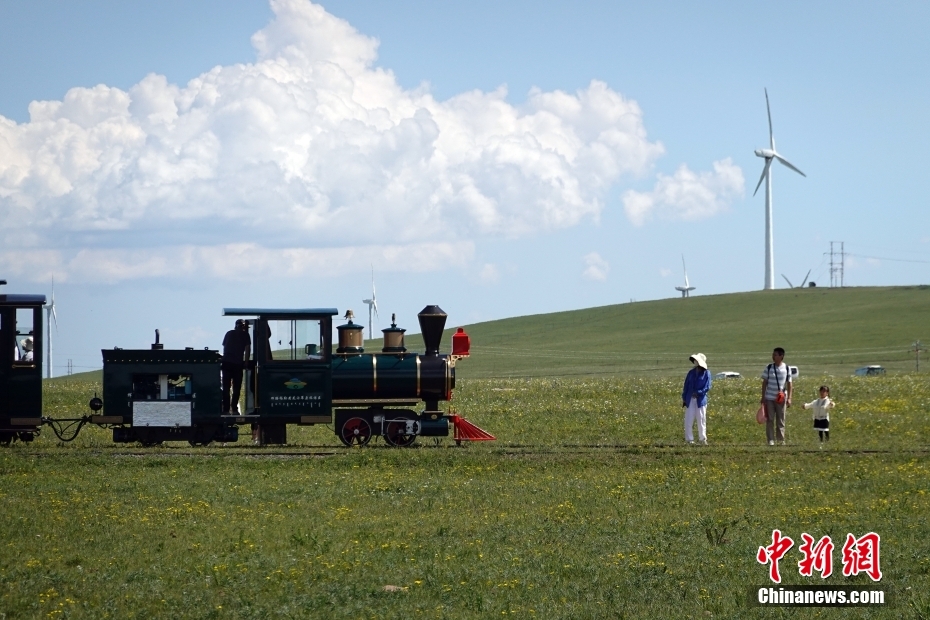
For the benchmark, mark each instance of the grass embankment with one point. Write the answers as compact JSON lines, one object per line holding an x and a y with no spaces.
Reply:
{"x":588,"y":505}
{"x":824,"y":331}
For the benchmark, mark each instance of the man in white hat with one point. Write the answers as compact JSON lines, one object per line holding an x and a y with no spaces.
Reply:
{"x":27,"y":344}
{"x":694,"y":399}
{"x":27,"y":349}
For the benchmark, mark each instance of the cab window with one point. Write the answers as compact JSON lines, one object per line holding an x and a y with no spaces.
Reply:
{"x":297,"y":340}
{"x":24,"y":352}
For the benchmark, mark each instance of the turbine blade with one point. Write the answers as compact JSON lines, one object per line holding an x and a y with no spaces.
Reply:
{"x":789,"y":164}
{"x":55,"y":316}
{"x":788,"y":281}
{"x":768,"y":109}
{"x":806,"y":277}
{"x":765,"y":171}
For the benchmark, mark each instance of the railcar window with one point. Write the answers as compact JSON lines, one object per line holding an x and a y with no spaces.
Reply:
{"x":25,"y":352}
{"x":297,"y":340}
{"x":161,"y":387}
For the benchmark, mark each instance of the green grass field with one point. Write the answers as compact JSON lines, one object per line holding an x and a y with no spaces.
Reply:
{"x":587,"y":506}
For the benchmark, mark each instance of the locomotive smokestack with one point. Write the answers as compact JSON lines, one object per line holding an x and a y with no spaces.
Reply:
{"x":432,"y":321}
{"x":157,"y":344}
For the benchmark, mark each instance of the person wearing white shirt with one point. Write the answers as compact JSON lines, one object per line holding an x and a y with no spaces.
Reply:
{"x":822,"y":407}
{"x":776,"y":396}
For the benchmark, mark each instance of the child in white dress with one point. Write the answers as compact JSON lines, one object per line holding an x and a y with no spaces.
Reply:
{"x":821,"y":408}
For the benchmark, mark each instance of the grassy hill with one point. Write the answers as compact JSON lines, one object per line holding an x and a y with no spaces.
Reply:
{"x":824,"y":330}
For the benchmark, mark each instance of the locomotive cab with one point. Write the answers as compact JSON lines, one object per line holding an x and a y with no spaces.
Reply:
{"x":289,"y":378}
{"x":21,"y":343}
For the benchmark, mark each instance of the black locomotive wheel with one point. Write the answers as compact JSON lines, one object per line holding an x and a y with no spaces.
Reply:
{"x":6,"y":439}
{"x":355,"y":432}
{"x":395,"y":433}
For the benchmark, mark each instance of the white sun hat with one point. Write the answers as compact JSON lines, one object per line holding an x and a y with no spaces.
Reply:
{"x":700,"y":359}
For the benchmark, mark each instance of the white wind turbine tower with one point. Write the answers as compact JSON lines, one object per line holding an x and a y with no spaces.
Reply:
{"x":687,"y":288}
{"x":49,"y":315}
{"x":769,"y":154}
{"x":372,"y":304}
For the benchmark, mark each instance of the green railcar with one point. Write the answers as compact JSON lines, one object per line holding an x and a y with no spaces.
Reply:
{"x":21,"y":346}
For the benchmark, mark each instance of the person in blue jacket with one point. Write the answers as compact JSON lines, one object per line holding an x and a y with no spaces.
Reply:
{"x":694,"y":399}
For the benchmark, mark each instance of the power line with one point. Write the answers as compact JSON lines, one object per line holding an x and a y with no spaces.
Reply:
{"x":897,"y":260}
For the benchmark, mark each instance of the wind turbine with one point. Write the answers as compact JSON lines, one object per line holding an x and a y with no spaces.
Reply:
{"x":49,"y":315}
{"x":372,"y":303}
{"x":769,"y":154}
{"x":802,"y":283}
{"x":687,"y":288}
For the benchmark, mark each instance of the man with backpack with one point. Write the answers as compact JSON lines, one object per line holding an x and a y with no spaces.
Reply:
{"x":776,"y":396}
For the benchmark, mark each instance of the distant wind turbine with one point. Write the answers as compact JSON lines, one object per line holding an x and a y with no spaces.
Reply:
{"x":769,"y":154}
{"x":687,"y":288}
{"x":802,"y":283}
{"x":372,"y":304}
{"x":50,"y":315}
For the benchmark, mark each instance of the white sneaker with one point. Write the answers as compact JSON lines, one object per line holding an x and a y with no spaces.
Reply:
{"x":704,"y":442}
{"x":771,"y":443}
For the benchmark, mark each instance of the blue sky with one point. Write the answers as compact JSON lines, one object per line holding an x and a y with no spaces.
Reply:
{"x":486,"y":157}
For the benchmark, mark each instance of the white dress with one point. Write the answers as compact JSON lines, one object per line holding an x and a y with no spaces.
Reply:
{"x":821,"y":407}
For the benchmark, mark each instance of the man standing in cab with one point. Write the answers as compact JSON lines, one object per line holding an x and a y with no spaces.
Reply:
{"x":236,"y":347}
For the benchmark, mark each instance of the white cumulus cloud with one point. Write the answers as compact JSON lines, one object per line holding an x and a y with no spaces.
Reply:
{"x":310,"y":147}
{"x":687,"y":195}
{"x":234,"y":261}
{"x":596,"y":268}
